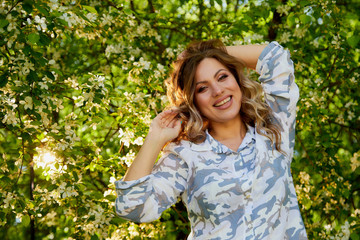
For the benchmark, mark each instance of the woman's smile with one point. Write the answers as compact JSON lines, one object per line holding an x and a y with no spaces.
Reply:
{"x":223,"y":104}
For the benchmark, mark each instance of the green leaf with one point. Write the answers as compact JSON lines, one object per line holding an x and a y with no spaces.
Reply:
{"x":354,"y":236}
{"x":219,"y":2}
{"x":44,"y":40}
{"x":304,"y":3}
{"x":25,"y":135}
{"x":42,"y":9}
{"x":128,"y":11}
{"x":27,"y":6}
{"x":42,"y":61}
{"x":56,"y":71}
{"x":353,"y":41}
{"x":291,"y":20}
{"x":33,"y":38}
{"x":305,"y":18}
{"x":26,"y":49}
{"x":50,"y":75}
{"x":27,"y":156}
{"x":76,"y":177}
{"x":5,"y":179}
{"x":90,"y":9}
{"x":25,"y":220}
{"x":4,"y":79}
{"x":32,"y":77}
{"x":3,"y":23}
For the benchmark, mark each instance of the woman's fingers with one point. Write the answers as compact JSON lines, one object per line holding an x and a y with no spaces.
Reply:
{"x":167,"y":117}
{"x":169,"y":122}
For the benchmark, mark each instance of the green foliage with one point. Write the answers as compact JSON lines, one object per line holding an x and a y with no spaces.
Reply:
{"x":80,"y":82}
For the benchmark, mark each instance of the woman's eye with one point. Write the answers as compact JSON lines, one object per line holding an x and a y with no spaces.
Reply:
{"x":224,"y":76}
{"x":201,"y":89}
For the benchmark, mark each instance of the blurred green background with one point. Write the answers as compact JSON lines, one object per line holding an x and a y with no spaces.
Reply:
{"x":80,"y":82}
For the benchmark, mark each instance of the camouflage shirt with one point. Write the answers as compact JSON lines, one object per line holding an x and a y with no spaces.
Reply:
{"x":244,"y":194}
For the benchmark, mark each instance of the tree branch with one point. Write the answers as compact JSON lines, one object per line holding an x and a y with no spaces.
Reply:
{"x":304,"y":148}
{"x":345,"y":126}
{"x":151,"y":6}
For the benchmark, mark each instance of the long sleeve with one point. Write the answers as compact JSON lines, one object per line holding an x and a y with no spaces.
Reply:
{"x":144,"y":200}
{"x":281,"y":92}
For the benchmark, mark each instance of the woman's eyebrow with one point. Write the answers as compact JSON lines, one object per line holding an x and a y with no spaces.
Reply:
{"x":217,"y":72}
{"x":201,"y":82}
{"x":221,"y":69}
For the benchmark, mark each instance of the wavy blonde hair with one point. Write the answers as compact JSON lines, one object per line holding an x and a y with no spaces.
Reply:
{"x":181,"y":91}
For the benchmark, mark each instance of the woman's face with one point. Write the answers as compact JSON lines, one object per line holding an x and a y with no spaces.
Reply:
{"x":217,"y":94}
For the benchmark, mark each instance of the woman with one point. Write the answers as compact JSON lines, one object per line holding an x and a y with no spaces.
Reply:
{"x":230,"y":152}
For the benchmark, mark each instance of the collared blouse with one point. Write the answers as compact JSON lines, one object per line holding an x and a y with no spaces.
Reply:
{"x":245,"y":194}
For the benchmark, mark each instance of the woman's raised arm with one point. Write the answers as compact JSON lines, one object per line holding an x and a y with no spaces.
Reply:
{"x":249,"y":54}
{"x":164,"y":127}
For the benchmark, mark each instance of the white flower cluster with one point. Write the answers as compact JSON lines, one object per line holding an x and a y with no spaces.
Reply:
{"x":98,"y":225}
{"x":299,"y":32}
{"x":285,"y":37}
{"x":22,"y":65}
{"x":253,"y":37}
{"x":97,"y":82}
{"x":126,"y":136}
{"x":106,"y":19}
{"x":159,"y":72}
{"x":337,"y":41}
{"x":72,"y":19}
{"x":355,"y":161}
{"x":9,"y":201}
{"x":128,"y":158}
{"x":54,"y":5}
{"x":344,"y":234}
{"x":10,"y":118}
{"x":114,"y":48}
{"x":40,"y":23}
{"x":50,"y":219}
{"x":67,"y":191}
{"x":142,"y":64}
{"x":27,"y":102}
{"x":283,"y":9}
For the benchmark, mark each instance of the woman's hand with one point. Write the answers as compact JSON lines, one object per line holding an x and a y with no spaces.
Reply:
{"x":165,"y":126}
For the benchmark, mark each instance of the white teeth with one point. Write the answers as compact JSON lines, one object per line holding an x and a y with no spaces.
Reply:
{"x":223,"y":102}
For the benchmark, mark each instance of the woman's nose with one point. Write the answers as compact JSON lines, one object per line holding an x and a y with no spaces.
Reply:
{"x":217,"y":89}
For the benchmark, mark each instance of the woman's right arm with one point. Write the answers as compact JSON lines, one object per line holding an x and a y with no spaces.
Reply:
{"x":148,"y":189}
{"x":164,"y":128}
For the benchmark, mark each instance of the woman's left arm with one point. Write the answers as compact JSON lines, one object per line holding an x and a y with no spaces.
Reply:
{"x":249,"y":54}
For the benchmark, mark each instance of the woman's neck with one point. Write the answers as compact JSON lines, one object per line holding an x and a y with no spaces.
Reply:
{"x":230,"y":133}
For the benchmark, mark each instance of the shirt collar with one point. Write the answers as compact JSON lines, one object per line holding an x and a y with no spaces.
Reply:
{"x":212,"y":144}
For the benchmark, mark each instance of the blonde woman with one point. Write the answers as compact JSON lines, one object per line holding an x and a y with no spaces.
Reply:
{"x":230,"y":151}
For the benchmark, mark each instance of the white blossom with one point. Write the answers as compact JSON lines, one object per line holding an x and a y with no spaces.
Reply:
{"x":106,"y":19}
{"x":139,"y":141}
{"x":41,"y":21}
{"x":43,"y":85}
{"x":53,"y":4}
{"x":285,"y":37}
{"x":299,"y":32}
{"x":283,"y":9}
{"x":26,"y":67}
{"x":91,"y":16}
{"x":12,"y":23}
{"x":67,"y":191}
{"x":28,"y":103}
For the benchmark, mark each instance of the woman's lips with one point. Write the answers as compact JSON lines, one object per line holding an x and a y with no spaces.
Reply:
{"x":223,"y":103}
